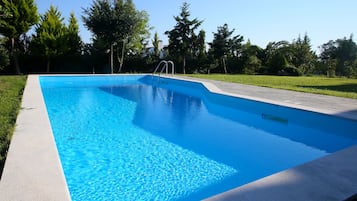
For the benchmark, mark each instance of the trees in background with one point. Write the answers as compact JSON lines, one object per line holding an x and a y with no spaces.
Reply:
{"x":4,"y":57}
{"x":225,"y":45}
{"x":199,"y":51}
{"x":252,"y":56}
{"x":49,"y":39}
{"x":121,"y":32}
{"x":339,"y":57}
{"x":74,"y":41}
{"x":182,"y":38}
{"x":156,"y":43}
{"x":52,"y":38}
{"x":17,"y":17}
{"x":278,"y":57}
{"x":304,"y":59}
{"x":117,"y":23}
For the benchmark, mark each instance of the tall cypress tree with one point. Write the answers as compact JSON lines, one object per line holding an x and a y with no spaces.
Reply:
{"x":73,"y":38}
{"x":303,"y":57}
{"x":156,"y":43}
{"x":50,"y":38}
{"x":182,"y":36}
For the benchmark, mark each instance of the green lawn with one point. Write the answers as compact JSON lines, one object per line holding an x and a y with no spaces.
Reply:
{"x":342,"y":87}
{"x":11,"y":88}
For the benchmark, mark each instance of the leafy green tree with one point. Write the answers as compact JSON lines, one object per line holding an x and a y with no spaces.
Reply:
{"x":340,"y":57}
{"x":199,"y":45}
{"x":156,"y":43}
{"x":50,"y":38}
{"x":303,"y":57}
{"x":74,"y":40}
{"x":17,"y":17}
{"x":346,"y":55}
{"x":4,"y":14}
{"x":225,"y":45}
{"x":138,"y":39}
{"x":328,"y":57}
{"x":182,"y":36}
{"x":250,"y":56}
{"x":4,"y":57}
{"x":278,"y":59}
{"x":118,"y":23}
{"x":200,"y":51}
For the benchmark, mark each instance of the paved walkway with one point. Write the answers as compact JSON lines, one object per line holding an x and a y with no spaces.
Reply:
{"x":343,"y":107}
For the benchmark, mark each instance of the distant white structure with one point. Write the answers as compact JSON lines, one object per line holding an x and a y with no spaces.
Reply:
{"x":151,"y":50}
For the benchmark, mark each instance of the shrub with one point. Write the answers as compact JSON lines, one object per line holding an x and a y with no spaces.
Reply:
{"x":290,"y":71}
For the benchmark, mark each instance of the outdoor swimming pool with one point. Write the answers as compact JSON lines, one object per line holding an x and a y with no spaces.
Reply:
{"x":137,"y":138}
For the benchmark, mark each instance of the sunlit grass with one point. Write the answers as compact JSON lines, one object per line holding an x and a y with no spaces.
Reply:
{"x":11,"y":88}
{"x":342,"y":87}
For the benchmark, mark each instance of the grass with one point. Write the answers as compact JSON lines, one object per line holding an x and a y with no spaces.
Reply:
{"x":342,"y":87}
{"x":11,"y":88}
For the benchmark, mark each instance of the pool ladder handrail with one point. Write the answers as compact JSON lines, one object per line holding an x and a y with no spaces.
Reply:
{"x":165,"y":67}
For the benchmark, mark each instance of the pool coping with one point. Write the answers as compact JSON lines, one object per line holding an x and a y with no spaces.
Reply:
{"x":33,"y":166}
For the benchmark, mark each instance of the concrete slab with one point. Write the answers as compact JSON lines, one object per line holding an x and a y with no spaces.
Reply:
{"x":331,"y":178}
{"x":32,"y":169}
{"x":337,"y":106}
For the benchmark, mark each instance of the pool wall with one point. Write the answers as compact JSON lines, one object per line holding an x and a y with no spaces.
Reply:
{"x":33,"y":168}
{"x":268,"y":111}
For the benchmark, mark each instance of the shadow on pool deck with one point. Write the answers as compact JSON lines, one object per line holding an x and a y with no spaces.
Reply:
{"x":350,"y":114}
{"x":329,"y":178}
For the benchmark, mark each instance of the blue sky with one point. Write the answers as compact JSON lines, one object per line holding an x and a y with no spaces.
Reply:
{"x":261,"y":21}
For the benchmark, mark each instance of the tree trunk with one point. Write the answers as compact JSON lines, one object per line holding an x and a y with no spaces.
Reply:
{"x":184,"y":65}
{"x":121,"y":59}
{"x":15,"y":56}
{"x":111,"y":58}
{"x":48,"y":65}
{"x":224,"y":65}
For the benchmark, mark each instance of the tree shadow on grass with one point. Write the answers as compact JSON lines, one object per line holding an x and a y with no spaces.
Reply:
{"x":342,"y":87}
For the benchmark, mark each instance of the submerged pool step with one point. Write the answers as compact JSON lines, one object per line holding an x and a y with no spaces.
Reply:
{"x":275,"y":118}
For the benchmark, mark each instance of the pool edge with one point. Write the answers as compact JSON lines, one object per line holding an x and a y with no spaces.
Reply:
{"x":36,"y":184}
{"x":32,"y":168}
{"x":332,"y":177}
{"x":212,"y":87}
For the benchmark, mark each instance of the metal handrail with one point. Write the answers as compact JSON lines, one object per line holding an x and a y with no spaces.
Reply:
{"x":165,"y":67}
{"x":172,"y":67}
{"x":158,"y":66}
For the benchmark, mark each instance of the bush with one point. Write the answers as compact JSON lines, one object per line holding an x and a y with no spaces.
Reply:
{"x":4,"y":58}
{"x":290,"y":71}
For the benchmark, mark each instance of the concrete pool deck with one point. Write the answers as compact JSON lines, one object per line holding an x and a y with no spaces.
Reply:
{"x":33,"y":170}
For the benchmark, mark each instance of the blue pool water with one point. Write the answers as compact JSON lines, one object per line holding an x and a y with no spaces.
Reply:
{"x":137,"y":138}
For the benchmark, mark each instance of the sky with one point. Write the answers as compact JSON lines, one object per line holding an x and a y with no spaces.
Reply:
{"x":260,"y":21}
